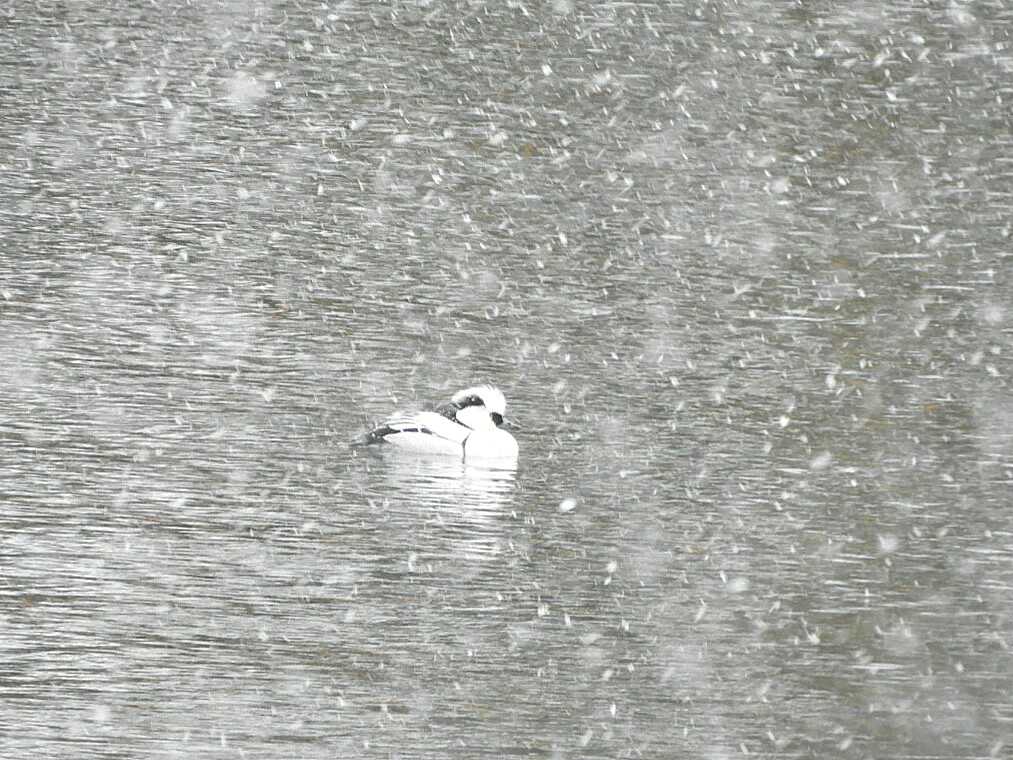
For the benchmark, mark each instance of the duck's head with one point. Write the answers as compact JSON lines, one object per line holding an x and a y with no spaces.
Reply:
{"x":480,"y":407}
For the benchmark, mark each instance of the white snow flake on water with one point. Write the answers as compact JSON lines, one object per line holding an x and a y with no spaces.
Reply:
{"x":992,"y":314}
{"x":888,"y":543}
{"x":243,"y":91}
{"x":700,"y":612}
{"x":737,"y":585}
{"x":820,"y":461}
{"x":959,"y":14}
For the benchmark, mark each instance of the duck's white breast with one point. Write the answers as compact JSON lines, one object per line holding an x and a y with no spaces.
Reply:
{"x":490,"y":444}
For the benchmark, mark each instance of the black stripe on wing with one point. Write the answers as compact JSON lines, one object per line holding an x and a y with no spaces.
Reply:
{"x":379,"y":434}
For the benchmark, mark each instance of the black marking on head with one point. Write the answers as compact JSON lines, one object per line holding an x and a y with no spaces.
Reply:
{"x":497,"y":418}
{"x":451,"y":408}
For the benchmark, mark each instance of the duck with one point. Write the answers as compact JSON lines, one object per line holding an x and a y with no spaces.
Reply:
{"x":472,"y":425}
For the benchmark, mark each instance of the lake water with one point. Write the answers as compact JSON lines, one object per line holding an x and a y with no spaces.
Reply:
{"x":741,"y":268}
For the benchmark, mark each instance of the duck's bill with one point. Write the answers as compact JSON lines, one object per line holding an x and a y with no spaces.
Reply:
{"x":510,"y":424}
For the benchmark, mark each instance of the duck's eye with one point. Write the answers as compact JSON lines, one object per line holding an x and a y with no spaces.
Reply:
{"x":472,"y":401}
{"x":497,"y":418}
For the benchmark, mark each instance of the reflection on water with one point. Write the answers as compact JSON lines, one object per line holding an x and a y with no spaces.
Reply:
{"x":461,"y":508}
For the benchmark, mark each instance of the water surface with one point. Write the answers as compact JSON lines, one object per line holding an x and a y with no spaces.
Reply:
{"x":742,"y":270}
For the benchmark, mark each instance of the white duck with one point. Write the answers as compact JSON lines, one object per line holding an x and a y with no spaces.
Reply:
{"x":469,"y":426}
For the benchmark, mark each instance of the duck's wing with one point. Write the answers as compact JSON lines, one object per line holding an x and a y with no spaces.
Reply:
{"x":420,"y":423}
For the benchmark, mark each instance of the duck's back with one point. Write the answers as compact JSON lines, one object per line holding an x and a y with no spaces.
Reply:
{"x":423,"y":432}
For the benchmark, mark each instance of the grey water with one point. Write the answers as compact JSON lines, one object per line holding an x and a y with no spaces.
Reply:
{"x":743,"y":270}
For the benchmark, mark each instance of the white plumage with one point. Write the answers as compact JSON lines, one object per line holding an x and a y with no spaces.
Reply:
{"x":470,"y":425}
